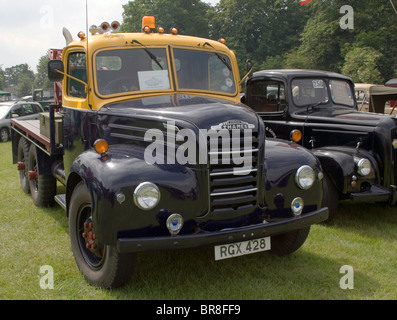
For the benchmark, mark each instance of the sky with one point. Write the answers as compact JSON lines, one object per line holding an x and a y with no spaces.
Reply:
{"x":28,"y":28}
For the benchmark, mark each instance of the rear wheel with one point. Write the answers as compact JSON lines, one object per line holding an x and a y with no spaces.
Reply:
{"x":289,"y":242}
{"x":23,"y":156}
{"x":42,"y":187}
{"x":101,"y":265}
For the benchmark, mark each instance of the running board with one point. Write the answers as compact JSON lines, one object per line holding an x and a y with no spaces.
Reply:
{"x":61,"y":200}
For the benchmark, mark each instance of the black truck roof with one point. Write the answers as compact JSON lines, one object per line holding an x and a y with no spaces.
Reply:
{"x":293,"y":73}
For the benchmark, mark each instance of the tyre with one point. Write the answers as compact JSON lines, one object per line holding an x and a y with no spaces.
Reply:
{"x":101,"y":265}
{"x":4,"y":135}
{"x":23,"y":156}
{"x":42,"y":187}
{"x":330,"y":198}
{"x":289,"y":242}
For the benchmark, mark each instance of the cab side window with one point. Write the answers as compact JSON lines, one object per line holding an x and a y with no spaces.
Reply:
{"x":28,"y":109}
{"x":77,"y":68}
{"x":17,"y":110}
{"x":266,"y":96}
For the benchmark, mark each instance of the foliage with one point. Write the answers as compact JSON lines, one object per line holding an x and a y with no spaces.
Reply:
{"x":361,"y":65}
{"x":271,"y":33}
{"x":1,"y":81}
{"x":21,"y":80}
{"x":188,"y":16}
{"x":283,"y":34}
{"x":20,"y":77}
{"x":41,"y":79}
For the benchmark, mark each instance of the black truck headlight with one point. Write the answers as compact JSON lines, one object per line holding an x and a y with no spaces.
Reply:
{"x":146,"y":196}
{"x":363,"y":167}
{"x":305,"y":177}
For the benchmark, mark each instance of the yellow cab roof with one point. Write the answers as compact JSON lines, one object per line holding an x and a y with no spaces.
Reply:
{"x":102,"y":41}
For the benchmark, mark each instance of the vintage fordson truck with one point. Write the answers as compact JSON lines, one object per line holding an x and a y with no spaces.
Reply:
{"x":156,"y":152}
{"x":318,"y":110}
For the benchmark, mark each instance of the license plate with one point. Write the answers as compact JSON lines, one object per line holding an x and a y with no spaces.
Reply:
{"x":232,"y":250}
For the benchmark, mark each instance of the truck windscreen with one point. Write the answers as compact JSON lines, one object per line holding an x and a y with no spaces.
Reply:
{"x":131,"y":70}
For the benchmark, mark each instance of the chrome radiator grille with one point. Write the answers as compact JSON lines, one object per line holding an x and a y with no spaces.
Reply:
{"x":233,"y":185}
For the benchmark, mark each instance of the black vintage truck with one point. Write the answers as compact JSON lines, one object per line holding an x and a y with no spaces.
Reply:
{"x":318,"y":110}
{"x":156,"y":152}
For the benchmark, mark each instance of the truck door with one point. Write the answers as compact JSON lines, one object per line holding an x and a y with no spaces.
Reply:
{"x":268,"y":98}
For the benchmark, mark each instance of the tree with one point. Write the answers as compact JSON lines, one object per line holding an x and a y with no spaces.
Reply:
{"x":41,"y":77}
{"x":1,"y":79}
{"x":19,"y":77}
{"x":361,"y":65}
{"x":24,"y":86}
{"x":260,"y":30}
{"x":12,"y":74}
{"x":325,"y":44}
{"x":188,"y":16}
{"x":320,"y":40}
{"x":281,"y":33}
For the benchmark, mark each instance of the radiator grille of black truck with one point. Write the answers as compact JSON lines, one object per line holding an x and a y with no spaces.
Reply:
{"x":233,"y":185}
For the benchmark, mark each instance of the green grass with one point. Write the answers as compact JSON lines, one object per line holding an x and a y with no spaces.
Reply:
{"x":362,"y":236}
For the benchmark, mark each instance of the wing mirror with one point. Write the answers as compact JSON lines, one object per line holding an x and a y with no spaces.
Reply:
{"x":55,"y":70}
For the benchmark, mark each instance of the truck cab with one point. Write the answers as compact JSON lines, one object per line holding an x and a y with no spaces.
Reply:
{"x":157,"y":153}
{"x":318,"y":110}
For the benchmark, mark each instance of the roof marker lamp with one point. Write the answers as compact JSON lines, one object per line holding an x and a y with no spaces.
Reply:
{"x":105,"y":26}
{"x":94,"y":29}
{"x":115,"y":25}
{"x":81,"y":35}
{"x":148,"y":24}
{"x":146,"y":196}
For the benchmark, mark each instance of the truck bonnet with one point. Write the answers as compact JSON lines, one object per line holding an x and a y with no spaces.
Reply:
{"x":201,"y":112}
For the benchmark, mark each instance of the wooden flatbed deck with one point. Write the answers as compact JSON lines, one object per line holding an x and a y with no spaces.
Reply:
{"x":31,"y":128}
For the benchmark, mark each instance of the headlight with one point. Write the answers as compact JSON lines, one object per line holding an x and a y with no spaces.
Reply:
{"x":363,"y":167}
{"x":305,"y":177}
{"x":146,"y":195}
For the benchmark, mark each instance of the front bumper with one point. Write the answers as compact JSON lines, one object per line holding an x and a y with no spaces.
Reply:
{"x":125,"y":245}
{"x":376,"y":194}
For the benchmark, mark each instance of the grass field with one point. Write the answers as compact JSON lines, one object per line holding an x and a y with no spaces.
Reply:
{"x":362,"y":236}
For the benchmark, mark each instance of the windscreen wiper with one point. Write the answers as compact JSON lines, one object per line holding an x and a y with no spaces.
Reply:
{"x":151,"y":55}
{"x":220,"y":57}
{"x":312,"y":106}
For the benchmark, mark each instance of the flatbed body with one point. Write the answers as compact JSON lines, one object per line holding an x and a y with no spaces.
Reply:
{"x":31,"y":129}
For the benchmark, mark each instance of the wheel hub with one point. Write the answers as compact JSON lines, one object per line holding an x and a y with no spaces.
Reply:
{"x":90,"y":238}
{"x":21,"y":166}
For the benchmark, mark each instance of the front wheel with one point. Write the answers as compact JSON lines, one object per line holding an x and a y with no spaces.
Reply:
{"x":330,"y":198}
{"x":101,"y":265}
{"x":289,"y":242}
